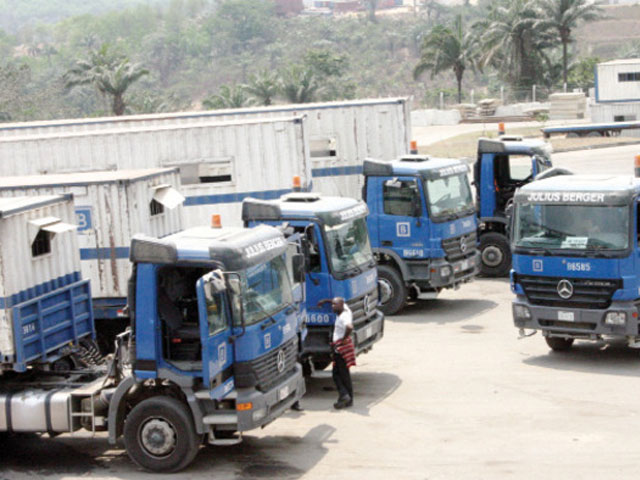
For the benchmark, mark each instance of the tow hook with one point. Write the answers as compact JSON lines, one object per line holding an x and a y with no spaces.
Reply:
{"x":522,"y":334}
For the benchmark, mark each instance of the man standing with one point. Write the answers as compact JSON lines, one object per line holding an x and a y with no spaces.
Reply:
{"x":344,"y":355}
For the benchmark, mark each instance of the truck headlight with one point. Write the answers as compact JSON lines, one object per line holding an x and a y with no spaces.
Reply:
{"x":521,"y":311}
{"x":445,"y":271}
{"x":259,"y":414}
{"x":615,"y":318}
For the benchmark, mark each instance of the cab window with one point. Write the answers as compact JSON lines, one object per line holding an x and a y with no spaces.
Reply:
{"x":216,"y":315}
{"x":401,"y":198}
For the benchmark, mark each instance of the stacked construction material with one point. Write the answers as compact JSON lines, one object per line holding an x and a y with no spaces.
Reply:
{"x":567,"y":106}
{"x":487,"y":107}
{"x":467,"y":110}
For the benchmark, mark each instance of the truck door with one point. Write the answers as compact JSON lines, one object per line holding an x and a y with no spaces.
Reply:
{"x":215,"y":330}
{"x":400,"y":225}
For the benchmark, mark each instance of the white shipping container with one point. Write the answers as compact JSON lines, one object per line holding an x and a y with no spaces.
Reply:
{"x":618,"y":81}
{"x":110,"y":207}
{"x":220,"y":163}
{"x":340,"y":135}
{"x":28,"y":271}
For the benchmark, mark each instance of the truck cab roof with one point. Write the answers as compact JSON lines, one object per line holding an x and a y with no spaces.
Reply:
{"x":415,"y":165}
{"x":304,"y":206}
{"x":230,"y":248}
{"x":512,"y":144}
{"x":581,"y":189}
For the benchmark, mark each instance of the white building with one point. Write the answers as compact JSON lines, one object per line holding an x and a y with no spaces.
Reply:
{"x":617,"y":93}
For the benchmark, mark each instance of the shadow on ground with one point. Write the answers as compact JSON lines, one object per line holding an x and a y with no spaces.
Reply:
{"x":442,"y":311}
{"x":369,"y":389}
{"x":614,"y":358}
{"x":34,"y":456}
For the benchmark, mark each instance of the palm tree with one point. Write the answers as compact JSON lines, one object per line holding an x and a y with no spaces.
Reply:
{"x":299,"y":85}
{"x":563,"y":16}
{"x":228,"y":97}
{"x":111,"y":74}
{"x":513,"y":40}
{"x":263,"y":87}
{"x":445,"y":48}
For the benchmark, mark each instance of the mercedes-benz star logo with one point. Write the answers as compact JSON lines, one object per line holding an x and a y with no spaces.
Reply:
{"x":463,"y":245}
{"x":565,"y":289}
{"x":366,"y":305}
{"x":280,"y":361}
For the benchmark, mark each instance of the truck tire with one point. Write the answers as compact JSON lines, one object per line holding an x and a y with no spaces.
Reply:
{"x":398,"y":297}
{"x":495,"y":254}
{"x":558,"y":344}
{"x":159,"y":435}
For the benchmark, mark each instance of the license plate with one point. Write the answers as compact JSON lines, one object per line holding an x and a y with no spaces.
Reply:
{"x":283,"y":393}
{"x":368,"y":331}
{"x":566,"y":316}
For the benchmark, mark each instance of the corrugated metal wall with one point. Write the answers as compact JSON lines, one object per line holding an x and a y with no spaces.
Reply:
{"x":20,"y":270}
{"x":118,"y":211}
{"x":607,"y":112}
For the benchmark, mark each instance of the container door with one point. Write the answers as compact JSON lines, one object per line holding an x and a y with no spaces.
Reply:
{"x":215,"y":330}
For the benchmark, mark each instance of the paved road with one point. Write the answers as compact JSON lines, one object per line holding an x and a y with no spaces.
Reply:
{"x":450,"y":393}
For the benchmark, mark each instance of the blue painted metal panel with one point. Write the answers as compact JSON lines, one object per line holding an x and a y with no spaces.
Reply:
{"x":45,"y":324}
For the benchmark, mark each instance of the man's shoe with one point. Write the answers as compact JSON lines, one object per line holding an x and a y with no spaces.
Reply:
{"x":297,"y":407}
{"x":342,"y":402}
{"x":349,"y":403}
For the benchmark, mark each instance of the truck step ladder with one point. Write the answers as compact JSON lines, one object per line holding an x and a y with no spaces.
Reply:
{"x":75,"y":404}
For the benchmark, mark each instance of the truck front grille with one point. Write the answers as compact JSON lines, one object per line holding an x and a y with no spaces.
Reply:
{"x":266,"y":367}
{"x":362,"y":311}
{"x":587,"y":293}
{"x":459,"y":248}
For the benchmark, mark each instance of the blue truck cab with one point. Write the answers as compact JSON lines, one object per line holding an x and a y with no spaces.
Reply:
{"x":422,"y":226}
{"x":576,"y":258}
{"x":340,"y":264}
{"x":502,"y":166}
{"x":214,"y":313}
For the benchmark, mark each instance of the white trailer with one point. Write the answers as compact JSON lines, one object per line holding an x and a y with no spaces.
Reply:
{"x":220,"y":163}
{"x":110,"y":207}
{"x":340,"y":136}
{"x":44,"y":303}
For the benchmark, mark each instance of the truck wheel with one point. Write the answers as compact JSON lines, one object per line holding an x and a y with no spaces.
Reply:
{"x":558,"y":344}
{"x":397,"y":298}
{"x":495,"y":254}
{"x":159,"y":435}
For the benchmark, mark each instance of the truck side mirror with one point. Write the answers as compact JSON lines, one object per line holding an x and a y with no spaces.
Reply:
{"x":234,"y":284}
{"x":213,"y":284}
{"x":298,"y":266}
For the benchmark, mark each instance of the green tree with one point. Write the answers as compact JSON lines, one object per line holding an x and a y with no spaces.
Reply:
{"x":228,"y":97}
{"x":299,"y":85}
{"x":447,"y":48}
{"x":513,"y":41}
{"x":371,"y":6}
{"x":582,"y":73}
{"x":111,"y":74}
{"x":263,"y":87}
{"x":240,"y":25}
{"x":564,"y":16}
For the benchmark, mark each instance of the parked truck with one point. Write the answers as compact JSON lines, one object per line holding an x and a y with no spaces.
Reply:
{"x":422,"y":224}
{"x":340,"y":264}
{"x":576,"y":263}
{"x":211,"y":351}
{"x":110,"y":207}
{"x":45,"y":305}
{"x":501,"y":167}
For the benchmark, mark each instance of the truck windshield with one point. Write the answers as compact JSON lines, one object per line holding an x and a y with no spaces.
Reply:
{"x":266,"y":289}
{"x":348,"y":246}
{"x":449,"y":197}
{"x":571,"y":227}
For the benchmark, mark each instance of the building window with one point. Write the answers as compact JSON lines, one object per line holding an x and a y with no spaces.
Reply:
{"x":156,"y":208}
{"x":42,"y":244}
{"x":629,"y":77}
